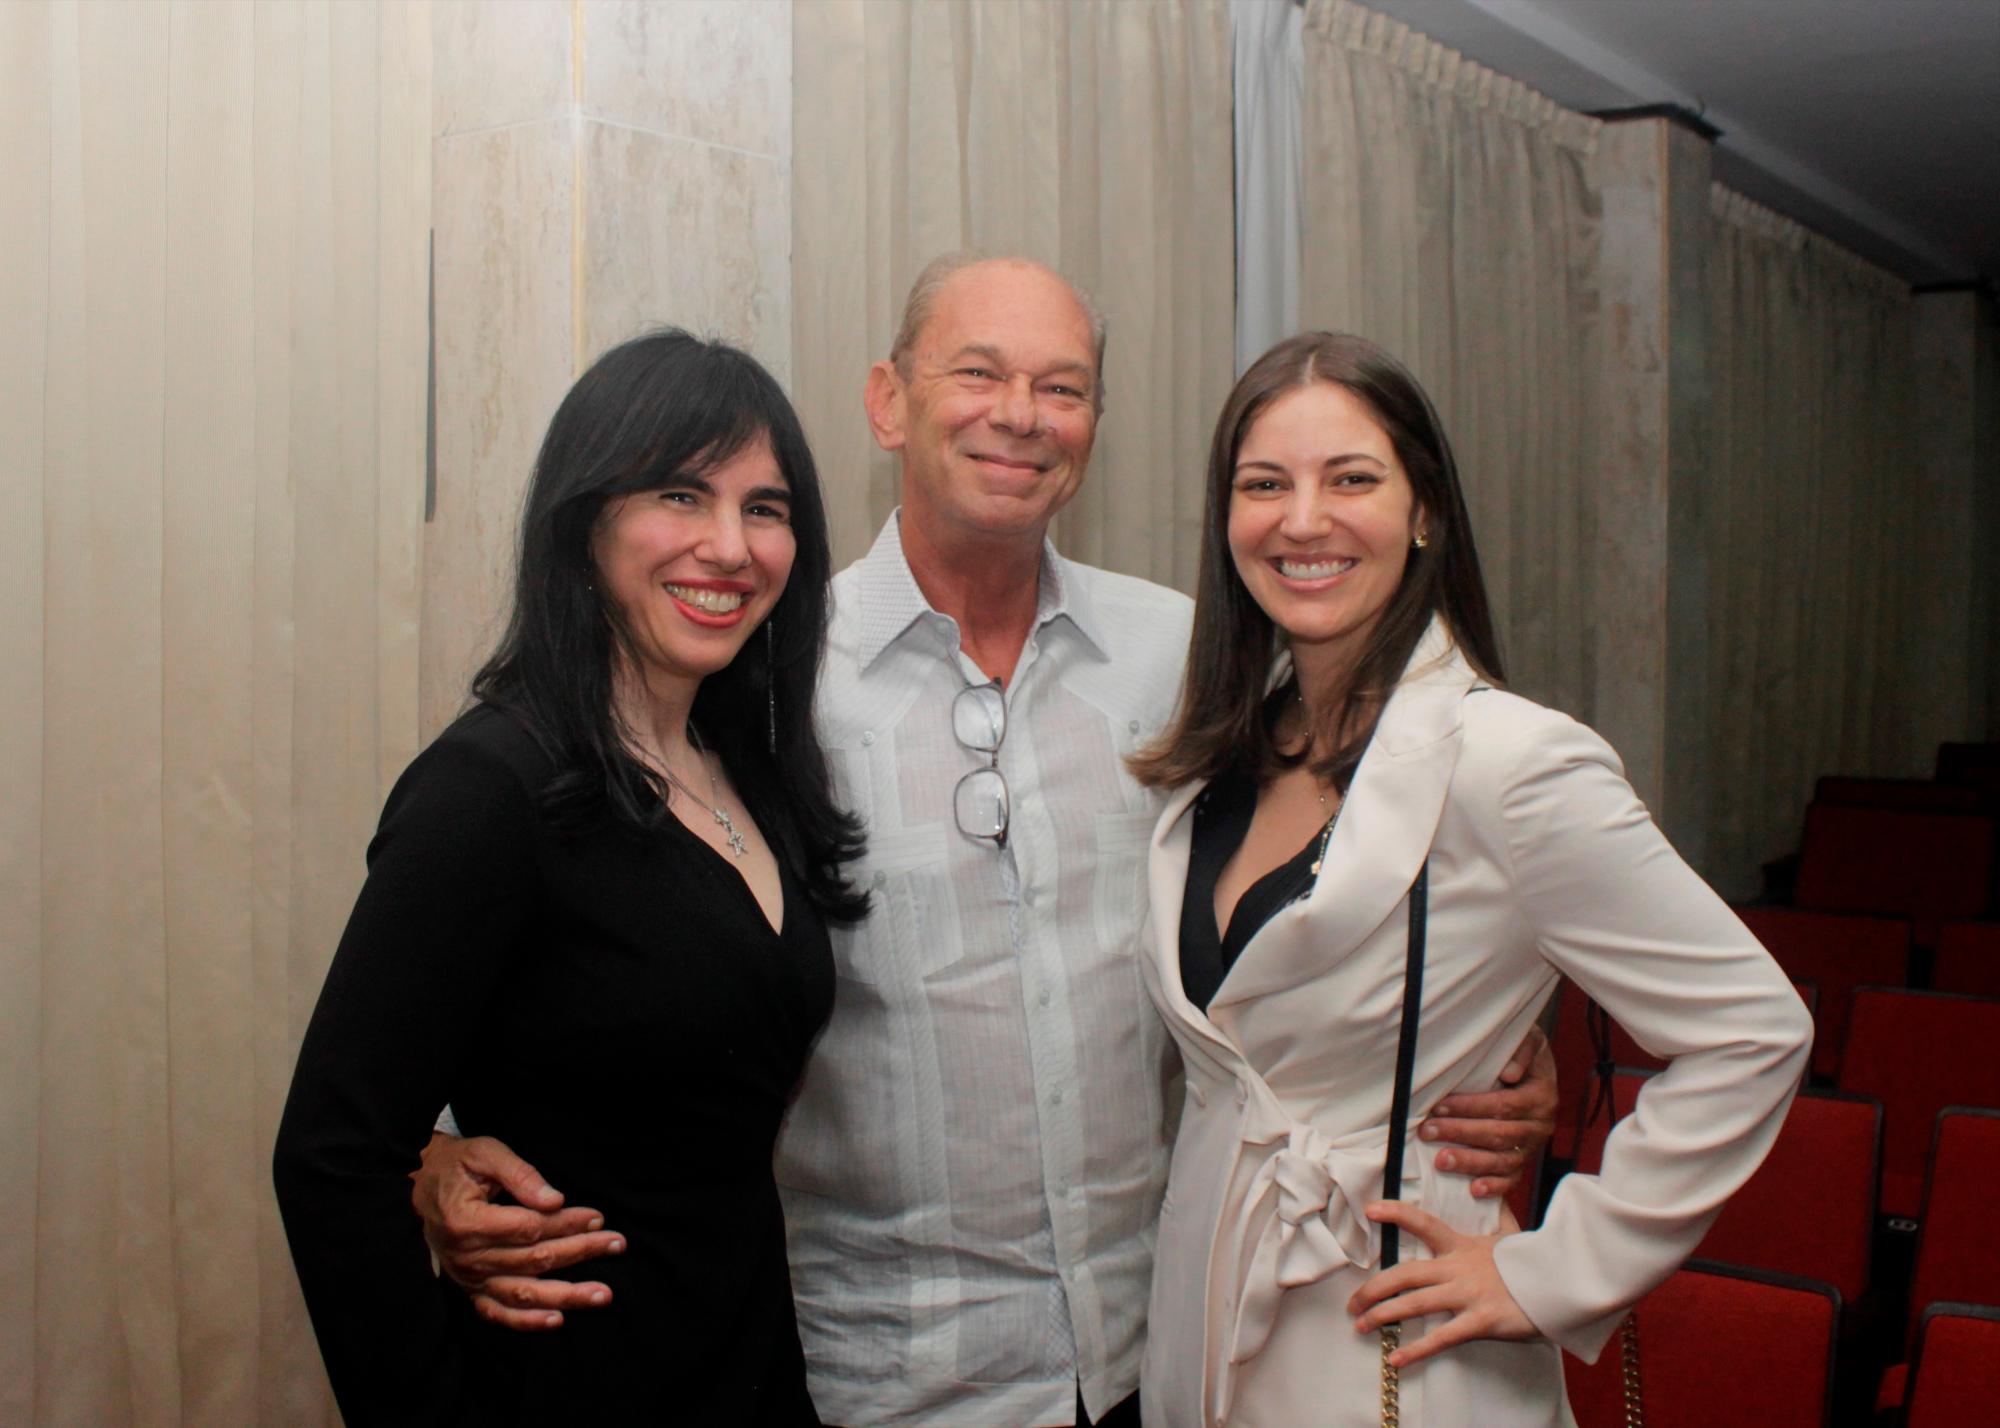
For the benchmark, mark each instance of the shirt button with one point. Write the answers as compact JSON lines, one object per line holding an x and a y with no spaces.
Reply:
{"x":878,"y":880}
{"x":1043,"y":997}
{"x":1132,"y":727}
{"x":1056,"y":1099}
{"x":867,"y":736}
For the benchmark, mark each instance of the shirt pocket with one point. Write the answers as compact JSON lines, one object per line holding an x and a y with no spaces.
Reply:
{"x":912,"y":926}
{"x":1119,"y":891}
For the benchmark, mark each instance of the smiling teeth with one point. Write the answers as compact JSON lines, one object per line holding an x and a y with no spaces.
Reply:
{"x":715,"y":602}
{"x":1318,"y":570}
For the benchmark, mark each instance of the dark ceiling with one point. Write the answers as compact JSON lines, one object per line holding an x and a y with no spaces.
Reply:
{"x":1876,"y":122}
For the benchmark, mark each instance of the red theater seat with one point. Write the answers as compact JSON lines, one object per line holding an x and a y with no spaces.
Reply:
{"x":1810,"y":1208}
{"x":1918,"y":1052}
{"x":1962,"y":763}
{"x":1968,"y":959}
{"x":1838,"y":953}
{"x":1720,"y":1347}
{"x":1956,"y":1381}
{"x":1920,"y":795}
{"x":1928,"y":867}
{"x":1958,"y":1249}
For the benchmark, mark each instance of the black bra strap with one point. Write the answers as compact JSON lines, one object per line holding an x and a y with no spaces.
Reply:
{"x":1406,"y":1057}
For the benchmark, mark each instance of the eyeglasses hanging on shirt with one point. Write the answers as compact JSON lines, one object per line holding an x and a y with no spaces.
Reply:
{"x":979,"y":719}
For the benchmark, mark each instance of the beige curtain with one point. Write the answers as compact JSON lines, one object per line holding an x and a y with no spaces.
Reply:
{"x":1451,"y":215}
{"x":212,"y":279}
{"x":1813,"y":529}
{"x":1093,"y":135}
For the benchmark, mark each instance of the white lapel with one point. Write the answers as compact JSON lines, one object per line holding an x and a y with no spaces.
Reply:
{"x":1386,"y":826}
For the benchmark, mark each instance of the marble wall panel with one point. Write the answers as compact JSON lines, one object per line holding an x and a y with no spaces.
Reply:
{"x":1950,"y":624}
{"x":1650,"y":641}
{"x":505,"y":340}
{"x":1630,"y":632}
{"x":689,"y":234}
{"x":714,"y":70}
{"x":1683,"y":810}
{"x":499,"y":62}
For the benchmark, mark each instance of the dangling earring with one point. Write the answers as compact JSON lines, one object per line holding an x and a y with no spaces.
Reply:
{"x":771,"y":687}
{"x":1419,"y":541}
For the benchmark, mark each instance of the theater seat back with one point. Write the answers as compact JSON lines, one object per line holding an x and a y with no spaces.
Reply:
{"x":1958,"y":1246}
{"x":1920,"y":795}
{"x":1837,"y":952}
{"x":1968,"y":959}
{"x":1721,"y":1347}
{"x":1918,"y":1052}
{"x":1810,"y":1208}
{"x":1893,"y":863}
{"x":1956,"y":1380}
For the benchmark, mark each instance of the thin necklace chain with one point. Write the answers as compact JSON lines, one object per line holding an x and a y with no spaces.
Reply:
{"x":1333,"y":815}
{"x":721,"y":814}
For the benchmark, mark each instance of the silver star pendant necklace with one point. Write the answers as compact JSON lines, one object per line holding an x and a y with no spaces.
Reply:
{"x":716,"y":808}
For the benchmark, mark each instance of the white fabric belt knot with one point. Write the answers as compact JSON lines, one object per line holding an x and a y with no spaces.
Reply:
{"x":1299,"y":1221}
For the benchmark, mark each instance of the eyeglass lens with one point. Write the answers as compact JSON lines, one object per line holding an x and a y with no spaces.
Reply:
{"x":979,"y":718}
{"x":980,"y":802}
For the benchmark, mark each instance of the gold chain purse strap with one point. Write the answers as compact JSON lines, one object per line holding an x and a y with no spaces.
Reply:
{"x":1399,"y":1116}
{"x":1628,"y":1351}
{"x":1598,"y":1022}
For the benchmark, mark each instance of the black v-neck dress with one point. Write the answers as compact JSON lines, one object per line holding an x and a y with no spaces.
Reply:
{"x":1222,"y":814}
{"x":618,"y":1011}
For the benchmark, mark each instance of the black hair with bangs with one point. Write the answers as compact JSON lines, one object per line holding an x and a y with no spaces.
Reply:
{"x":649,"y":414}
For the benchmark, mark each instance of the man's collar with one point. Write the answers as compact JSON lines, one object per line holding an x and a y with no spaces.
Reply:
{"x":891,"y":600}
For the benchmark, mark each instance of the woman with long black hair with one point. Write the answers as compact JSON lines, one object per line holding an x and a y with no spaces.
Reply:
{"x":623,"y":856}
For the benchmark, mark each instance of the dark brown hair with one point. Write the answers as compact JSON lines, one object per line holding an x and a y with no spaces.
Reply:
{"x":1227,"y":708}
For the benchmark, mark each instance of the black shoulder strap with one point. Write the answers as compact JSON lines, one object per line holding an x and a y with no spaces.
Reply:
{"x":1406,"y":1057}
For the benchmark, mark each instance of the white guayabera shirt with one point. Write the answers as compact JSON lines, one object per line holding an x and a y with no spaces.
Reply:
{"x":973,"y":1169}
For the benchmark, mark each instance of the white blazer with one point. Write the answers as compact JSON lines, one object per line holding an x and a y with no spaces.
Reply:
{"x":1543,"y":862}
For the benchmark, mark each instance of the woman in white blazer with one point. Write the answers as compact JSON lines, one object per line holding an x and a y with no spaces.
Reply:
{"x":1342,"y":729}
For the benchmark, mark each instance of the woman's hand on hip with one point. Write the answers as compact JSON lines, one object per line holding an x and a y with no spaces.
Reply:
{"x":1460,"y":1280}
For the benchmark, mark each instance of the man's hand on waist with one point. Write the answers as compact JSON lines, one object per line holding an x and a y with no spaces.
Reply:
{"x":497,"y":1252}
{"x":1494,"y":1136}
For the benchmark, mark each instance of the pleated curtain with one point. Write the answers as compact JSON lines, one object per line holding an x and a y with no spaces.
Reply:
{"x":1093,"y":135}
{"x":1452,"y":215}
{"x":212,"y":406}
{"x":1814,"y":529}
